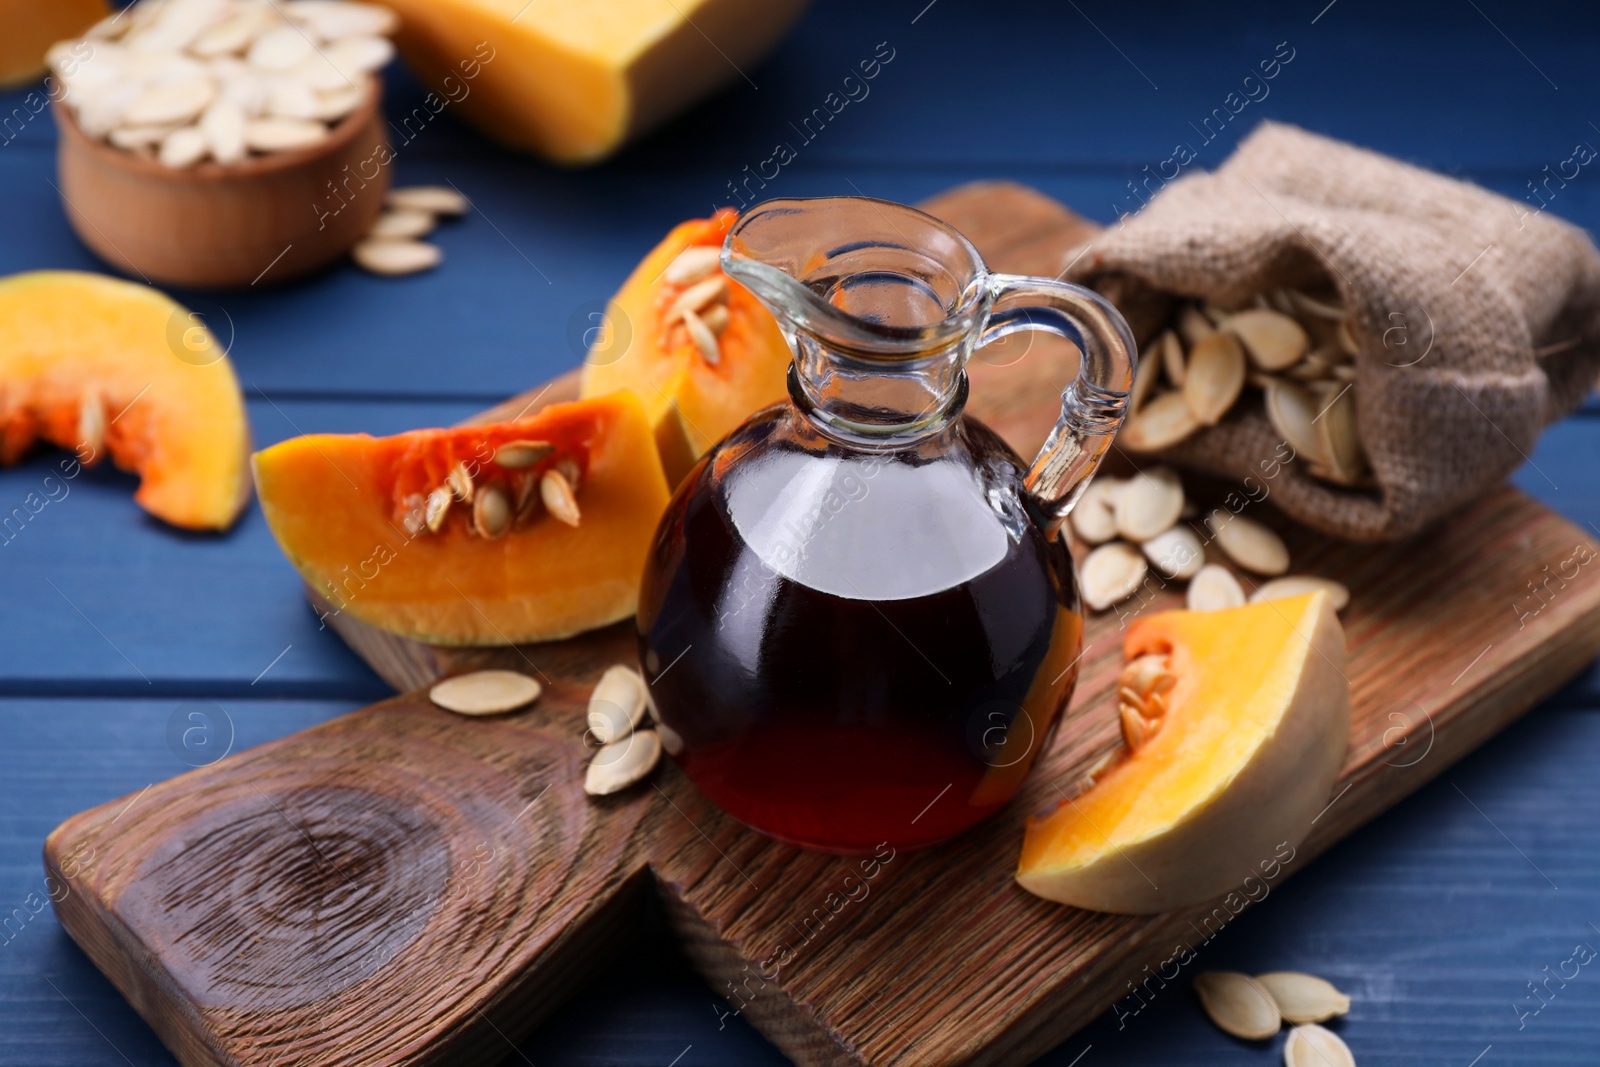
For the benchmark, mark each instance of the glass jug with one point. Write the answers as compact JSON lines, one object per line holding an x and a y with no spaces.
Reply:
{"x":857,"y":622}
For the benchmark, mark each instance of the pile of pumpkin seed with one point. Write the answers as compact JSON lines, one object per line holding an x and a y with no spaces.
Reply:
{"x":394,"y":244}
{"x":1139,"y":523}
{"x":1255,"y":1009}
{"x":1297,"y":349}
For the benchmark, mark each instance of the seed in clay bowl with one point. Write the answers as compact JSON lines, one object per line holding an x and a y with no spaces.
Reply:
{"x":1162,"y":423}
{"x":396,"y":257}
{"x":183,"y":148}
{"x":1148,"y":503}
{"x":485,"y":692}
{"x":1111,"y":573}
{"x":1313,"y":1046}
{"x":1214,"y":588}
{"x":434,"y":199}
{"x":1214,"y":377}
{"x":280,"y":49}
{"x":281,"y":135}
{"x":162,"y":105}
{"x":355,"y":56}
{"x":401,"y":224}
{"x":1298,"y":585}
{"x":1238,"y":1004}
{"x":1304,"y":998}
{"x":1272,"y":339}
{"x":332,"y":19}
{"x":1094,"y":517}
{"x":223,"y":124}
{"x":1175,"y":553}
{"x":1250,"y":544}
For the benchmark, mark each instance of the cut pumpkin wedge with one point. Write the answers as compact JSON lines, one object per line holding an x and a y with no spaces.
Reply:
{"x":103,"y":366}
{"x":401,"y":532}
{"x":1251,"y":739}
{"x":692,"y":401}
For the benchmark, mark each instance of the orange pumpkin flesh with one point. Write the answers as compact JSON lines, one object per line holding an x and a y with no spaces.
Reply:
{"x":1253,"y":736}
{"x":345,"y":510}
{"x":691,"y":403}
{"x":82,"y":350}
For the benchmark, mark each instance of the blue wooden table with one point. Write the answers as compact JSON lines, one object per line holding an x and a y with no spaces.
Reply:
{"x":1465,"y":923}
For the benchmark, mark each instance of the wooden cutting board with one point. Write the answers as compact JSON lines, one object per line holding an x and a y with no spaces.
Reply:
{"x":403,"y":886}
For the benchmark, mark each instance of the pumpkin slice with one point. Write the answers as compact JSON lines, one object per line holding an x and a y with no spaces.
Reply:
{"x":100,"y":365}
{"x":529,"y":530}
{"x":1235,"y":759}
{"x":694,"y":398}
{"x":28,"y":28}
{"x":573,"y":81}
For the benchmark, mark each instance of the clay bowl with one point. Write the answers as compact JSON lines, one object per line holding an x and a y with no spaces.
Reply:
{"x":262,"y":221}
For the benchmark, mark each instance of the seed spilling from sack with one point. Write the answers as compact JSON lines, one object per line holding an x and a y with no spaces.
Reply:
{"x":1296,"y":348}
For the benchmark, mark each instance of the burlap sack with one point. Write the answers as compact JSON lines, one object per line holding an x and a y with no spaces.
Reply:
{"x":1478,"y":317}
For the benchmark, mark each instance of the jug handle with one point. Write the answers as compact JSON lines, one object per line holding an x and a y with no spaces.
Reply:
{"x":1092,"y":405}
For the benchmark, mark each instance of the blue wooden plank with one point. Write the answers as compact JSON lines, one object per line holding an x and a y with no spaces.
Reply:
{"x":103,"y":599}
{"x":1435,"y":918}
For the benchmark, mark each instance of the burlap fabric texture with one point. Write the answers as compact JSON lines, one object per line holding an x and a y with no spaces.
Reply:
{"x":1478,"y":317}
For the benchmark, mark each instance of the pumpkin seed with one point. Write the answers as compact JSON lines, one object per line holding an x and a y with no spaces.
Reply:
{"x":1313,"y":1046}
{"x":1214,"y":588}
{"x":1193,"y":325}
{"x":1145,"y":373}
{"x":165,"y":105}
{"x":527,"y":499}
{"x":291,"y":100}
{"x":1291,"y":411}
{"x":694,"y":264}
{"x":697,"y":296}
{"x":703,"y":338}
{"x":1151,"y":673}
{"x":491,"y":512}
{"x":437,"y":508}
{"x":330,"y":19}
{"x":1215,"y":376}
{"x":485,"y":692}
{"x":1304,"y":998}
{"x":225,"y":38}
{"x":1111,"y":573}
{"x":1218,"y":316}
{"x":670,"y":739}
{"x":1175,"y":553}
{"x":134,"y":138}
{"x":1162,"y":423}
{"x":1280,"y":299}
{"x":415,"y":517}
{"x":1094,"y":517}
{"x":519,"y":455}
{"x":617,"y":704}
{"x":716,"y":318}
{"x":279,"y":49}
{"x":459,"y":481}
{"x":1250,"y":544}
{"x":356,"y":56}
{"x":283,"y":135}
{"x":223,"y":124}
{"x":391,"y":257}
{"x":556,"y":492}
{"x":1136,"y":731}
{"x":1340,"y":440}
{"x":183,"y":148}
{"x":1238,"y":1004}
{"x":91,"y":427}
{"x":1306,"y":304}
{"x":1299,"y":585}
{"x":622,"y":763}
{"x":1149,"y":503}
{"x":569,"y":470}
{"x":434,"y":199}
{"x":1272,"y":339}
{"x":399,"y":224}
{"x":1346,"y":336}
{"x":1172,"y":358}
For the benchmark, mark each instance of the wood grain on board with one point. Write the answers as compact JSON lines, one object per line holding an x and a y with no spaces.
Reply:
{"x":403,"y":886}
